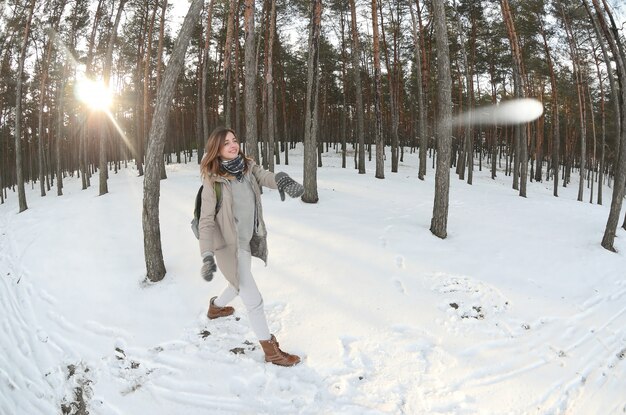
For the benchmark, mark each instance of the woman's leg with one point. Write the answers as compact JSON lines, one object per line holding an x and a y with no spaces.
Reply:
{"x":226,"y":296}
{"x":251,"y":297}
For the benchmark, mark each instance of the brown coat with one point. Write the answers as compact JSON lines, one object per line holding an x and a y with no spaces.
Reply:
{"x":218,"y":233}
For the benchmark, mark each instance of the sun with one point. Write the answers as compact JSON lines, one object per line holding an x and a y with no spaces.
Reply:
{"x":94,"y":94}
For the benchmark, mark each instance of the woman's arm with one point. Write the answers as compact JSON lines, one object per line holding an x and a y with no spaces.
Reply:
{"x":264,"y":177}
{"x":206,"y":225}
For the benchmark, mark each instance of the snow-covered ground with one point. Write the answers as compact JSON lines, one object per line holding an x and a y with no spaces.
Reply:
{"x":519,"y":311}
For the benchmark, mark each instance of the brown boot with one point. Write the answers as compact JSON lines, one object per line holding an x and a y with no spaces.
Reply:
{"x":274,"y":355}
{"x":216,"y":312}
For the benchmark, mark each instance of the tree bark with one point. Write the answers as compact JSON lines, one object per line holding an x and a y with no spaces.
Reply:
{"x":580,"y":90}
{"x":421,"y":118}
{"x":392,"y":79}
{"x":311,"y":106}
{"x":204,"y":133}
{"x":106,"y":75}
{"x":228,"y":47}
{"x":344,"y":98}
{"x":59,"y":134}
{"x":620,"y":169}
{"x":160,"y":47}
{"x":520,"y":163}
{"x":439,"y":221}
{"x":269,"y":80}
{"x":614,"y":94}
{"x":356,"y":71}
{"x":556,"y":133}
{"x":378,"y":117}
{"x":18,"y":113}
{"x":151,"y":185}
{"x":42,"y":98}
{"x":252,"y":148}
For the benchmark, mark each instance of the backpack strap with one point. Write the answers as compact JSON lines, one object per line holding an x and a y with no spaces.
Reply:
{"x":218,"y":196}
{"x":198,"y":205}
{"x":217,"y":186}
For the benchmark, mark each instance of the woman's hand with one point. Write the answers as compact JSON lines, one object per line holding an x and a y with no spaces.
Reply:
{"x":287,"y":185}
{"x":208,"y":267}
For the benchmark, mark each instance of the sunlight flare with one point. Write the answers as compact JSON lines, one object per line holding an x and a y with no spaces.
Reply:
{"x":93,"y":93}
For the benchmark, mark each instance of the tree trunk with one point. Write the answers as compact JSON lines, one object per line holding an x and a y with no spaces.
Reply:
{"x":205,"y":79}
{"x":151,"y":185}
{"x":250,"y":77}
{"x":378,"y":117}
{"x":106,"y":75}
{"x":520,"y":163}
{"x":392,"y":79}
{"x":620,"y":172}
{"x":18,"y":112}
{"x":356,"y":70}
{"x":614,"y":95}
{"x":468,"y":150}
{"x":228,"y":47}
{"x":556,"y":134}
{"x":42,"y":97}
{"x":59,"y":134}
{"x":138,"y":104}
{"x":580,"y":90}
{"x":439,"y":221}
{"x":160,"y":47}
{"x":269,"y":80}
{"x":311,"y":106}
{"x":344,"y":79}
{"x":421,"y":110}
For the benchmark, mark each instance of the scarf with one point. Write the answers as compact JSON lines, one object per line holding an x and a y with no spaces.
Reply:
{"x":235,"y":167}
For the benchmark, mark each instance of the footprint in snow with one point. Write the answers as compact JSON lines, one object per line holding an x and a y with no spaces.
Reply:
{"x":399,"y":286}
{"x":400,"y":261}
{"x":383,"y":241}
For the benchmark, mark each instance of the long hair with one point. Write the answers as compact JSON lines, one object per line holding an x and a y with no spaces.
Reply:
{"x":211,"y":162}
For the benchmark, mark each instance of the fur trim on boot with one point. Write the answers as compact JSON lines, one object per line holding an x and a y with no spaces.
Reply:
{"x":274,"y":355}
{"x":216,"y":312}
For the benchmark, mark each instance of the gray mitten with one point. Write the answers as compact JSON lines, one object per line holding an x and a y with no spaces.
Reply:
{"x":287,"y":185}
{"x":208,"y":267}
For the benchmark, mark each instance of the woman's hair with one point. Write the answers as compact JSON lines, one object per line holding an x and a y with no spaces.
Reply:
{"x":211,"y":162}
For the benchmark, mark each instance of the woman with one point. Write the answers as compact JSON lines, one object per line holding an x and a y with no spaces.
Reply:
{"x":231,"y":231}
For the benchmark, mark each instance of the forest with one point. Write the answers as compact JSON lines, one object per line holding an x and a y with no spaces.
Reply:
{"x":89,"y":87}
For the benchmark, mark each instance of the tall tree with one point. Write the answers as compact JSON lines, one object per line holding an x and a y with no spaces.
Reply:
{"x":421,"y":111}
{"x":614,"y":93}
{"x":147,"y":73}
{"x":356,"y":72}
{"x":378,"y":116}
{"x":520,"y":163}
{"x":466,"y":155}
{"x":56,"y":12}
{"x":151,"y":184}
{"x":204,"y":133}
{"x":556,"y":134}
{"x":228,"y":47}
{"x":311,"y":105}
{"x":269,"y":81}
{"x":393,"y":78}
{"x":18,"y":110}
{"x":106,"y":75}
{"x":577,"y":67}
{"x":617,"y":50}
{"x":439,"y":221}
{"x":161,"y":41}
{"x":252,"y":147}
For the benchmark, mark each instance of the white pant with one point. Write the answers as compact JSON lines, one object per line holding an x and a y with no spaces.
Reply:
{"x":249,"y":294}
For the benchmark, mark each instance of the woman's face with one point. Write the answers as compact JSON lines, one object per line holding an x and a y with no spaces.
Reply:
{"x":230,"y":149}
